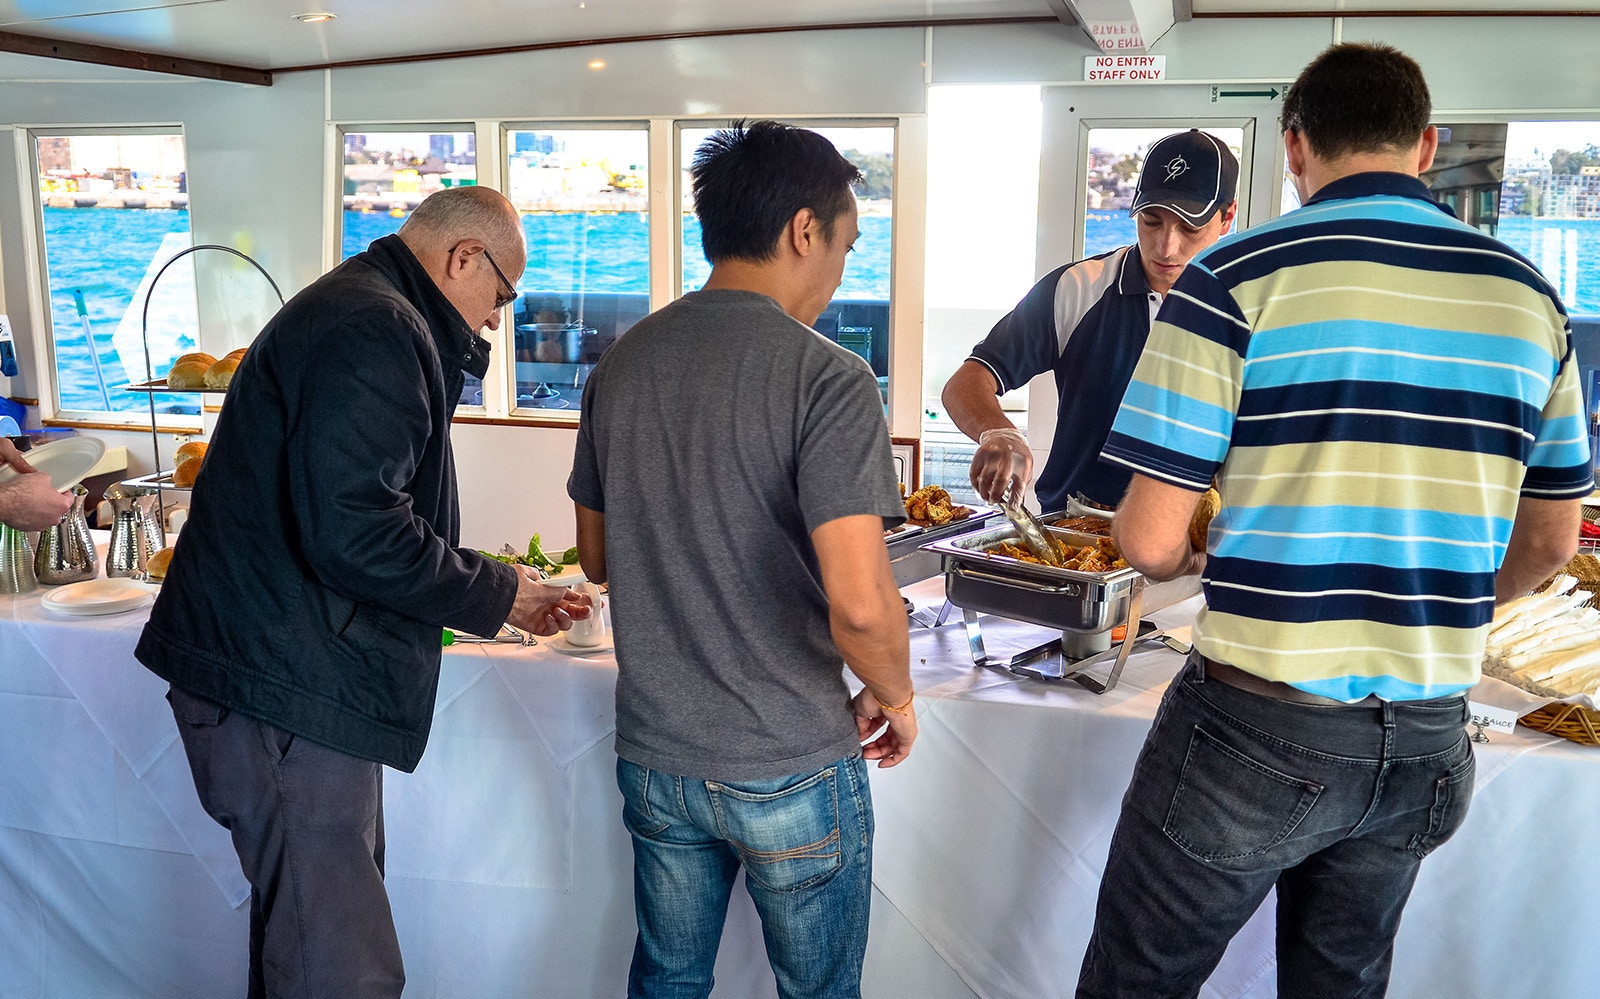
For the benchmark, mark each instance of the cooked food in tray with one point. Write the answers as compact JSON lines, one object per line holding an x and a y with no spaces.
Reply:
{"x":931,"y":506}
{"x":1084,"y":525}
{"x":1102,"y":556}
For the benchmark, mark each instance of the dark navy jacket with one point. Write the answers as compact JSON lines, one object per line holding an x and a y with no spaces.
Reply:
{"x":319,"y":562}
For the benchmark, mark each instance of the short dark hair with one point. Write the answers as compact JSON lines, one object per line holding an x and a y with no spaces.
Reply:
{"x":751,"y":178}
{"x":1358,"y":97}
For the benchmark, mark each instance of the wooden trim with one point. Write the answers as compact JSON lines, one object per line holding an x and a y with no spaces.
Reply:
{"x":916,"y":458}
{"x":104,"y":55}
{"x":1349,"y":15}
{"x":923,"y":22}
{"x":516,"y":421}
{"x":23,"y":400}
{"x":131,"y":428}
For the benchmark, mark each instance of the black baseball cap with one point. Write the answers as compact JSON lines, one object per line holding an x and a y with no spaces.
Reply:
{"x":1191,"y":173}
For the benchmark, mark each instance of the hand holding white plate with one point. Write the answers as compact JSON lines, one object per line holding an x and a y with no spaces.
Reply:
{"x":66,"y":461}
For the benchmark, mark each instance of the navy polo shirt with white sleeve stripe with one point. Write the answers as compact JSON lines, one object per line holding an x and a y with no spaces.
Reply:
{"x":1086,"y":322}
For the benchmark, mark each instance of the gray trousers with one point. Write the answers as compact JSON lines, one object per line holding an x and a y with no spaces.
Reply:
{"x":307,"y":822}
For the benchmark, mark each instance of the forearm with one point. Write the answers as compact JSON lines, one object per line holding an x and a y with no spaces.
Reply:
{"x":592,"y":543}
{"x":1151,"y":529}
{"x":1544,"y":538}
{"x":877,"y":648}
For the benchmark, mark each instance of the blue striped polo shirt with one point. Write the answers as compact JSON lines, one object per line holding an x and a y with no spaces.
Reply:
{"x":1374,"y":385}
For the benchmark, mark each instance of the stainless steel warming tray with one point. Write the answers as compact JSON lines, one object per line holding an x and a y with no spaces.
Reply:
{"x":907,"y":557}
{"x":1083,"y":606}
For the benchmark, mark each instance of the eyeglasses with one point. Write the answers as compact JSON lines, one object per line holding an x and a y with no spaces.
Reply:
{"x":504,"y":300}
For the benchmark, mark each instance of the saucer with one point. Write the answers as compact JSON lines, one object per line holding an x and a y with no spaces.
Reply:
{"x":560,"y":644}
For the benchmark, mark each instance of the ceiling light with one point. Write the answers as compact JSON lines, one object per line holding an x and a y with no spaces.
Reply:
{"x":314,"y":17}
{"x":597,"y":64}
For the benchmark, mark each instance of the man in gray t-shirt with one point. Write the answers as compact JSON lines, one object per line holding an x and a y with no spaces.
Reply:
{"x":733,"y":480}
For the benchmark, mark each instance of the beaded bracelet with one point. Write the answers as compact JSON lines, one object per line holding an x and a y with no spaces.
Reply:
{"x":899,"y":708}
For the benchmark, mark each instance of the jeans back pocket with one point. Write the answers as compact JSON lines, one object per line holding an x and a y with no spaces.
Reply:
{"x":1228,"y":806}
{"x":1452,"y":796}
{"x":787,"y":834}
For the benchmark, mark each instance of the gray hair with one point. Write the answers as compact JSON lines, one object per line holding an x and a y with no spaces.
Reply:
{"x":446,"y":217}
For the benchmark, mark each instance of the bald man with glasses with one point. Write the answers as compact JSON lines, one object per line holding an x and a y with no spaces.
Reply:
{"x":300,"y":621}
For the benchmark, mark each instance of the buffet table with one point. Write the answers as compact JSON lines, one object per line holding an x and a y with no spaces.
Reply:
{"x":510,"y":872}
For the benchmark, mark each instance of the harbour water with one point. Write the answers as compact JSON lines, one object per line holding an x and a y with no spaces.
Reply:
{"x":105,"y":252}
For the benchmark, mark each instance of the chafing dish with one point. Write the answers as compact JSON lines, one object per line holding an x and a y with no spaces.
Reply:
{"x":907,"y":557}
{"x":1083,"y":606}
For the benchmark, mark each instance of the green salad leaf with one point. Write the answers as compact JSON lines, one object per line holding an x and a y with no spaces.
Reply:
{"x":536,"y":557}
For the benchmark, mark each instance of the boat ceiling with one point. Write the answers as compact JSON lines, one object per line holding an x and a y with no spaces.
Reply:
{"x":264,"y":35}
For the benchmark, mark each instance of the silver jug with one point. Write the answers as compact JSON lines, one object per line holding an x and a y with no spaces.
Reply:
{"x":150,"y":510}
{"x":131,"y":536}
{"x":16,"y":561}
{"x":66,"y":552}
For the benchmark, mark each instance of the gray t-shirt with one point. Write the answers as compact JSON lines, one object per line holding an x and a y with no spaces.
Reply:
{"x":716,"y":435}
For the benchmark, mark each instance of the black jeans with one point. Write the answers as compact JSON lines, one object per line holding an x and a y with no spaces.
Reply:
{"x":307,"y":822}
{"x":1235,"y":793}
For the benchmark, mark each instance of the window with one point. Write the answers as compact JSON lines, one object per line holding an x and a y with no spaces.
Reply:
{"x":858,"y":316}
{"x":113,"y":209}
{"x":1116,"y":157}
{"x":981,"y":239}
{"x":387,"y":174}
{"x":583,"y":194}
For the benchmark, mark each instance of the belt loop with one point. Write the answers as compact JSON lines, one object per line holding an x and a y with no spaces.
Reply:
{"x":1198,"y":662}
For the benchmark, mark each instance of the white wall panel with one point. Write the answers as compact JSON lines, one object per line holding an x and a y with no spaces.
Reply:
{"x":833,"y":72}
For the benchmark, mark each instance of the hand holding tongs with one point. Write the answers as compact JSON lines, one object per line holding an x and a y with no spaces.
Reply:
{"x":1029,"y":529}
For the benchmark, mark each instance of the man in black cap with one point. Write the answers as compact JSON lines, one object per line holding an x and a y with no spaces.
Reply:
{"x":1087,"y":322}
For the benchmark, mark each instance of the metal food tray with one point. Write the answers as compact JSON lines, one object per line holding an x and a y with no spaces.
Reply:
{"x":912,"y":562}
{"x":1045,"y":595}
{"x":160,"y":385}
{"x":1076,"y":603}
{"x":155,"y":480}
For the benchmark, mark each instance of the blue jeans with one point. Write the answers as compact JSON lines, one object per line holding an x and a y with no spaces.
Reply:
{"x":805,"y":842}
{"x":1235,"y":794}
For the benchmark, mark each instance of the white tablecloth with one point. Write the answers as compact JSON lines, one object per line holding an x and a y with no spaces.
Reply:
{"x":510,"y":872}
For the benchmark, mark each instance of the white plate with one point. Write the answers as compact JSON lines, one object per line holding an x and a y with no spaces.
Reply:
{"x":561,"y":644}
{"x":99,"y":596}
{"x":571,"y":575}
{"x":66,"y":461}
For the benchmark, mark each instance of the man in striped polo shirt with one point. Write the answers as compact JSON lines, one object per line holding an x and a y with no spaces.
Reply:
{"x":1388,"y":402}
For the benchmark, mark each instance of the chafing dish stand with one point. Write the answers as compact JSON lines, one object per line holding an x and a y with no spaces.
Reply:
{"x":1050,"y":660}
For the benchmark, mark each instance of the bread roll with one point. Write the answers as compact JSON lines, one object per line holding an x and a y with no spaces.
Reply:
{"x":236,"y":354}
{"x":189,"y":374}
{"x":1200,"y":523}
{"x":187,"y":468}
{"x":196,"y":355}
{"x":157,"y":564}
{"x":220,"y":374}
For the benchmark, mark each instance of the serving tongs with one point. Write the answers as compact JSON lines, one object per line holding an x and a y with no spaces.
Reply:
{"x":1078,"y":506}
{"x":1030,"y":530}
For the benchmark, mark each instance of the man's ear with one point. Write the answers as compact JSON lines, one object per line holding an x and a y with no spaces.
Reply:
{"x":804,"y":232}
{"x":1294,"y":152}
{"x":1228,"y":214}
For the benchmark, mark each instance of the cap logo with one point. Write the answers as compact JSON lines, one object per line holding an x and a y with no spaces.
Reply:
{"x":1175,"y":166}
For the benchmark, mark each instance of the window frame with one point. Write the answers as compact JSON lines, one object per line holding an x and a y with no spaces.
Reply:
{"x":663,"y":200}
{"x":503,"y":361}
{"x":39,"y":310}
